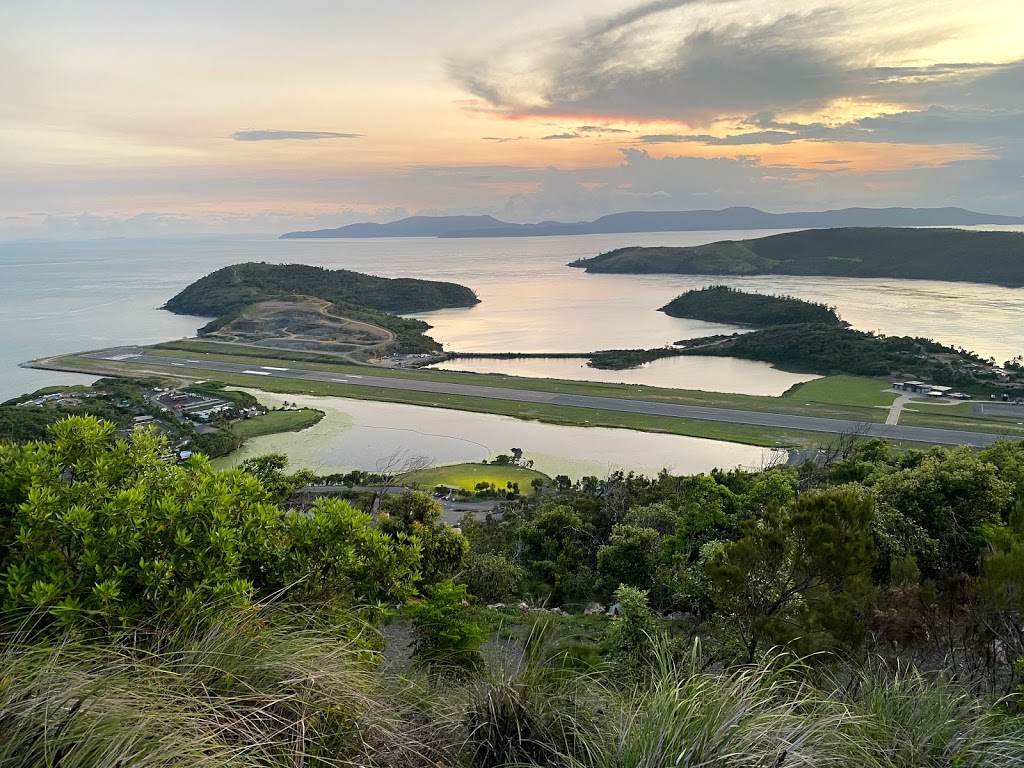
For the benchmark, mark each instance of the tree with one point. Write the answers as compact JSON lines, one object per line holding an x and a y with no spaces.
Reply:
{"x":416,"y":516}
{"x":555,"y":550}
{"x":798,"y":572}
{"x":634,"y":637}
{"x":448,"y":640}
{"x":105,"y":532}
{"x":952,"y":495}
{"x":270,"y":470}
{"x":999,"y":590}
{"x":492,"y":578}
{"x":631,"y":557}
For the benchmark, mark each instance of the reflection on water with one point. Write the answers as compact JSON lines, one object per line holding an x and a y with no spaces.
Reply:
{"x":69,"y":296}
{"x":357,"y":434}
{"x":710,"y":374}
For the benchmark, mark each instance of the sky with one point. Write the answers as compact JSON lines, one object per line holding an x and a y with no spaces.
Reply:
{"x":126,"y":118}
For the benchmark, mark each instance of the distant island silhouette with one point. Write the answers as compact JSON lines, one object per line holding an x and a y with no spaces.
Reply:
{"x":737,"y":218}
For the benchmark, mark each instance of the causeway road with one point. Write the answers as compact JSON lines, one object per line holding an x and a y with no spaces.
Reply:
{"x":782,"y":422}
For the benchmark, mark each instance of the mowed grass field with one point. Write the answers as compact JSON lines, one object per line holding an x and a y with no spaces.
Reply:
{"x":844,"y":390}
{"x":277,"y":421}
{"x":466,"y":476}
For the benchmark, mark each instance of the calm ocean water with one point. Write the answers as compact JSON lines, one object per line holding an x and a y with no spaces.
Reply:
{"x":58,"y":297}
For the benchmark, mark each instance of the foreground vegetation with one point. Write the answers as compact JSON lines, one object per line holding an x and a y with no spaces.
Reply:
{"x":868,"y":612}
{"x":721,"y":304}
{"x":926,"y":254}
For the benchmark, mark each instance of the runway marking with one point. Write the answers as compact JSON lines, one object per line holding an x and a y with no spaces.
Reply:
{"x":180,"y":365}
{"x":341,"y":381}
{"x":272,"y":368}
{"x":122,"y":357}
{"x":257,"y":373}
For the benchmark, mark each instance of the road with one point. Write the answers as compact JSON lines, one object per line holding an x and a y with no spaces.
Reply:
{"x":779,"y":421}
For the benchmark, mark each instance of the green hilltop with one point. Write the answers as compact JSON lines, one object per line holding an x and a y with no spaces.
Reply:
{"x":923,"y":254}
{"x":230,"y":289}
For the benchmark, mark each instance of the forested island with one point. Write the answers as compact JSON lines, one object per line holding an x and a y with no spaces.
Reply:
{"x":312,"y":310}
{"x":231,"y":288}
{"x":919,"y":254}
{"x":721,"y":304}
{"x":808,"y":337}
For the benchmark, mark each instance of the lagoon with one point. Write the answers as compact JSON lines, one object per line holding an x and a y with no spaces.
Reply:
{"x":710,"y":374}
{"x":373,"y":436}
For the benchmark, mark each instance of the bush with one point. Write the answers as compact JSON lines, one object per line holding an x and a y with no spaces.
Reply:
{"x":448,"y":639}
{"x":492,"y":578}
{"x":105,"y":532}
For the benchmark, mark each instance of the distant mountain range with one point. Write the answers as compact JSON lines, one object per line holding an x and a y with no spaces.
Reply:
{"x":664,"y":221}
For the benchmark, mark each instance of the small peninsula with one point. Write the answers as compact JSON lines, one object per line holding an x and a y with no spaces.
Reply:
{"x":721,"y":304}
{"x":314,"y":312}
{"x":231,"y":288}
{"x":918,"y":254}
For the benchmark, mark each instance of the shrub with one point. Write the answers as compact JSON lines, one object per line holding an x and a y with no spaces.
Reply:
{"x":448,"y":639}
{"x":492,"y":578}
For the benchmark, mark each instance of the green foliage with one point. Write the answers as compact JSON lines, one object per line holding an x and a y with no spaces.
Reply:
{"x":827,"y":350}
{"x":233,"y":288}
{"x":448,"y":638}
{"x":797,"y":573}
{"x":537,"y":712}
{"x":269,"y":470}
{"x":555,"y":550}
{"x":930,"y":254}
{"x":721,"y":304}
{"x":749,"y":718}
{"x":659,"y":516}
{"x":104,"y":532}
{"x":416,"y":515}
{"x":636,"y":637}
{"x":631,"y":557}
{"x":999,"y":590}
{"x":280,"y":689}
{"x":492,"y":578}
{"x":951,"y":495}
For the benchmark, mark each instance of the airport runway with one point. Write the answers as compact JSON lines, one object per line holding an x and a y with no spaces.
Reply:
{"x":692,"y":412}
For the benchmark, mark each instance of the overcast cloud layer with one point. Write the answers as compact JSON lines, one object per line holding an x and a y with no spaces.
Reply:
{"x":121,"y":120}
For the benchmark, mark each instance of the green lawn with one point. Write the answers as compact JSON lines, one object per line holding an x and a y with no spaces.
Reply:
{"x":466,"y":476}
{"x":934,"y":418}
{"x":277,"y":421}
{"x":844,"y":390}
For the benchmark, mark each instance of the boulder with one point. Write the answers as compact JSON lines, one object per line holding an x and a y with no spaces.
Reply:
{"x":615,"y":610}
{"x":496,"y":606}
{"x":593,"y":609}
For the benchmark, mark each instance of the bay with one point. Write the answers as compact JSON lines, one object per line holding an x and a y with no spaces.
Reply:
{"x":66,"y":296}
